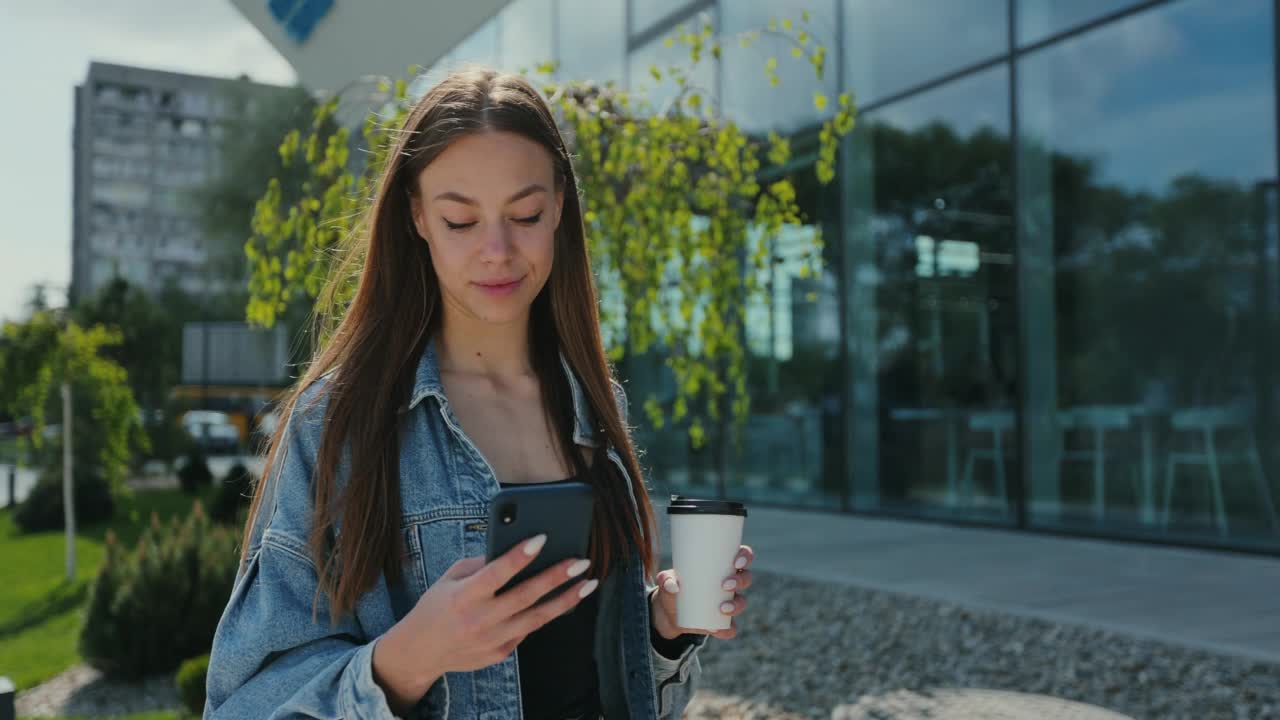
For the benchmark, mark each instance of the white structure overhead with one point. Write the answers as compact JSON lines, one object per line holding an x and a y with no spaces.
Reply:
{"x":331,"y":43}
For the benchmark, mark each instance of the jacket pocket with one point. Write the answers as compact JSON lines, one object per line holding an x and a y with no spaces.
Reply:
{"x":438,"y":539}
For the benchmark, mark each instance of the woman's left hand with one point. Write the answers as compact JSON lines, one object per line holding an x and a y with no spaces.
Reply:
{"x":662,"y":603}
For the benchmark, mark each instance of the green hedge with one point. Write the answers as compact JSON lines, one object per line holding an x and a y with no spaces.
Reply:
{"x":191,"y":683}
{"x":153,"y":608}
{"x":42,"y":510}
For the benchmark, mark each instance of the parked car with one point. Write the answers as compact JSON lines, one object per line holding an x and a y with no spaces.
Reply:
{"x":212,"y":431}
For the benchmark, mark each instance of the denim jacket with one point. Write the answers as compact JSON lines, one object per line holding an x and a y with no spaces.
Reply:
{"x":273,"y":657}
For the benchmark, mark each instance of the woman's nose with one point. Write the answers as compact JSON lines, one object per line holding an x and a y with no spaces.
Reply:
{"x":496,"y":243}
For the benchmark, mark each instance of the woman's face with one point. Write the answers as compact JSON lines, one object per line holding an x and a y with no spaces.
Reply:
{"x":489,"y":208}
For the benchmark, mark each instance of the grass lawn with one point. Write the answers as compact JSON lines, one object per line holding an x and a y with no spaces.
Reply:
{"x":135,"y":716}
{"x":40,"y":612}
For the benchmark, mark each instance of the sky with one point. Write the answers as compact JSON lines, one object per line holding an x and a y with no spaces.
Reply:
{"x":45,"y":51}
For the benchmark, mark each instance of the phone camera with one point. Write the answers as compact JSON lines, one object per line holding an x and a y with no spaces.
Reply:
{"x":507,"y":514}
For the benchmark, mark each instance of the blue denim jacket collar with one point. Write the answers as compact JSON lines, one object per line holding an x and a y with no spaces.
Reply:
{"x":427,"y":383}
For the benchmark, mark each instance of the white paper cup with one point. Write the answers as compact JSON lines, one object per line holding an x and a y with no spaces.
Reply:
{"x":705,"y":537}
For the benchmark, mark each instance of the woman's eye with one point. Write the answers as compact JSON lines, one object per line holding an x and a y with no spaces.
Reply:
{"x":531,"y":220}
{"x":458,"y":227}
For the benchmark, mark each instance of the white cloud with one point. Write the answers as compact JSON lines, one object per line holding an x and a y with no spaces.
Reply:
{"x":1229,"y":134}
{"x":966,"y":105}
{"x":1081,"y":74}
{"x":1153,"y":97}
{"x":891,"y":46}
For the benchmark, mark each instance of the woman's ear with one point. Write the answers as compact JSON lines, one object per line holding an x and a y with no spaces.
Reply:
{"x":418,"y":214}
{"x":559,"y":207}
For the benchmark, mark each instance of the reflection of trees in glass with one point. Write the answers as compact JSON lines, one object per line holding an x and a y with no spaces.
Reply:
{"x":946,"y":329}
{"x":808,"y":370}
{"x":1156,"y":292}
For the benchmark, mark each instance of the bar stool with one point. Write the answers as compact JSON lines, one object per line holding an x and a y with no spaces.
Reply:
{"x":996,"y":422}
{"x":1100,"y":420}
{"x":1208,"y":421}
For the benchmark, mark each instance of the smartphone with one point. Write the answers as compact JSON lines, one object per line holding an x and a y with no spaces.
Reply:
{"x":561,"y":510}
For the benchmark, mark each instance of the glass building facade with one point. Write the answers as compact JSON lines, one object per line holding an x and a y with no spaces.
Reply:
{"x":1052,"y":259}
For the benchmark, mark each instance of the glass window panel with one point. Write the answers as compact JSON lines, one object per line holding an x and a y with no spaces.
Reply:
{"x":792,"y":447}
{"x":526,"y":35}
{"x":1147,"y":171}
{"x":701,"y":77}
{"x":1038,"y":19}
{"x":749,"y":99}
{"x":890,"y":47}
{"x":644,"y":13}
{"x":791,"y":444}
{"x":480,"y":47}
{"x":592,"y":39}
{"x":931,"y":318}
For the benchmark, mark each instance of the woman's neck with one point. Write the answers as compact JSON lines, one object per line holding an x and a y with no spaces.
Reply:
{"x":478,"y":348}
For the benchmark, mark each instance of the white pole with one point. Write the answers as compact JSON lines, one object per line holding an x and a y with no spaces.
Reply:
{"x":68,"y":492}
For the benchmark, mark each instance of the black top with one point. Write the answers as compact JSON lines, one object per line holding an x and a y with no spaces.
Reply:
{"x":557,"y":664}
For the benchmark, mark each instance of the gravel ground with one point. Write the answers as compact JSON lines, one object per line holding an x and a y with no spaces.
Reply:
{"x":810,"y":650}
{"x":82,"y":691}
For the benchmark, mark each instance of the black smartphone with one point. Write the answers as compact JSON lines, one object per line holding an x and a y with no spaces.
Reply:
{"x":561,"y":510}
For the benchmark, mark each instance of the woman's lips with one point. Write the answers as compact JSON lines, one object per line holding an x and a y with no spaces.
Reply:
{"x":501,"y":288}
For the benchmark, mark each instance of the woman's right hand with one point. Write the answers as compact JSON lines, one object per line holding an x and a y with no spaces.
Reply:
{"x":460,"y":624}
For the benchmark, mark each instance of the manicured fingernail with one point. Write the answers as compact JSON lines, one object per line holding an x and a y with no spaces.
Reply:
{"x":726,"y":608}
{"x":535,"y":545}
{"x":579,"y":567}
{"x":740,"y":562}
{"x":589,"y":588}
{"x":671,"y":586}
{"x":729,"y":584}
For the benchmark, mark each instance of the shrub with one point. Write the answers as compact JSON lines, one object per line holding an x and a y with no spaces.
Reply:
{"x":169,"y":441}
{"x":233,"y":496}
{"x":191,"y":682}
{"x":42,"y":510}
{"x":151,"y":610}
{"x":194,"y":475}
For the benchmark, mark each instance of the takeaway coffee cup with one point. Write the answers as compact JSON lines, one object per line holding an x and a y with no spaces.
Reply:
{"x":705,"y":537}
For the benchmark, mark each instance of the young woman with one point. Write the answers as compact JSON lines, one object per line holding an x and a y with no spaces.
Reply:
{"x":469,"y":359}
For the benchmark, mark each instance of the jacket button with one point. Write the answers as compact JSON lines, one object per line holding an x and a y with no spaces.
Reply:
{"x":635,"y":674}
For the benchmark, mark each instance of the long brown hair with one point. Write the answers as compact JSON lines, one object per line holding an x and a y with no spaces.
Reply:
{"x":396,"y":311}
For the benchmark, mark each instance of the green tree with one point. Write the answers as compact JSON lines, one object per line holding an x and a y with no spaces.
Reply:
{"x":37,"y":356}
{"x":247,"y":160}
{"x":150,"y":349}
{"x":678,"y":212}
{"x":150,"y":338}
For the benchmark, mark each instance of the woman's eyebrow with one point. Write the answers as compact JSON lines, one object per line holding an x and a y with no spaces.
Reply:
{"x":460,"y":198}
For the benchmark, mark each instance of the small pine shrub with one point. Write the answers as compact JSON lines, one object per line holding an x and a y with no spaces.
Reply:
{"x":151,"y":610}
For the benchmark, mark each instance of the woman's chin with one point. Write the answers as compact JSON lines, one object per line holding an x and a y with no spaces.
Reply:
{"x":501,"y":312}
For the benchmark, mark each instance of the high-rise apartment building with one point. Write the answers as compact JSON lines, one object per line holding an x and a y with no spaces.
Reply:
{"x":144,"y":141}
